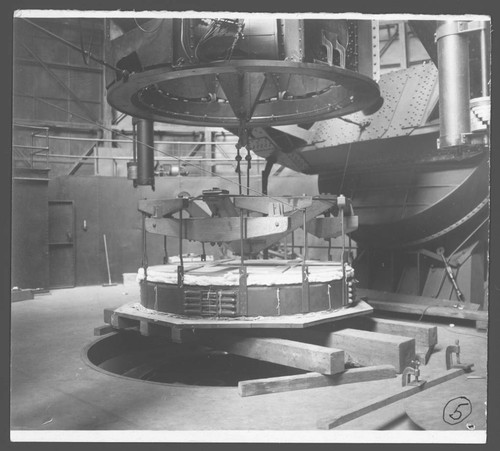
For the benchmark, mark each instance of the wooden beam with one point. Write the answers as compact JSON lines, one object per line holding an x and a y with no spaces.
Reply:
{"x":314,"y":380}
{"x":107,"y":313}
{"x":386,"y":296}
{"x":276,"y":350}
{"x":372,"y":348}
{"x":424,"y":335}
{"x":366,"y":407}
{"x":482,"y":325}
{"x":218,"y":229}
{"x":183,"y":335}
{"x":120,"y":322}
{"x":445,"y":312}
{"x":103,"y":330}
{"x":150,"y":329}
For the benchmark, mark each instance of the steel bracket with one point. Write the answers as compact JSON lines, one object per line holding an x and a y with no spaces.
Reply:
{"x":455,"y":349}
{"x":414,"y":371}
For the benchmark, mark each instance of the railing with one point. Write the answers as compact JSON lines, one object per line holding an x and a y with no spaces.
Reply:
{"x":34,"y":155}
{"x":29,"y":155}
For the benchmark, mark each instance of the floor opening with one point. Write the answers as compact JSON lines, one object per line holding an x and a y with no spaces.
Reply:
{"x":153,"y":359}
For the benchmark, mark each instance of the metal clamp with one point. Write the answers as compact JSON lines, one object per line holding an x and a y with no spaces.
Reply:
{"x":455,"y":349}
{"x":413,"y":370}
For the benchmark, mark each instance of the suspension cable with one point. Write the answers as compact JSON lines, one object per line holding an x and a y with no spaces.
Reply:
{"x":73,"y":46}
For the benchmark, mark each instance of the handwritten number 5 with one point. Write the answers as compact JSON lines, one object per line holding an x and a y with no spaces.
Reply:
{"x":456,"y":412}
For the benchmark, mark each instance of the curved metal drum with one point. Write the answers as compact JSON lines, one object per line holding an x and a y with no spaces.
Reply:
{"x":262,"y":92}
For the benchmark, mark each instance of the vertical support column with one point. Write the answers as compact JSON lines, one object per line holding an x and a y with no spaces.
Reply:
{"x":145,"y":153}
{"x":107,"y":110}
{"x":305,"y":270}
{"x":341,"y":203}
{"x":243,"y":288}
{"x":404,"y":47}
{"x":180,"y":267}
{"x":454,"y":89}
{"x":485,"y":71}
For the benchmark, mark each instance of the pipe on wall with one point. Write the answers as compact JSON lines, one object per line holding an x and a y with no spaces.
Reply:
{"x":145,"y":153}
{"x":484,"y":61}
{"x":454,"y":85}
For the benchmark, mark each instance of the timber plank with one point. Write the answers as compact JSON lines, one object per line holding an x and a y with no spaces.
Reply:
{"x":424,"y":335}
{"x":271,"y":322}
{"x":103,"y":330}
{"x":372,"y":348}
{"x":120,"y":322}
{"x":313,"y":380}
{"x":277,"y":350}
{"x":430,"y":310}
{"x":400,"y":298}
{"x":149,"y":329}
{"x":370,"y":405}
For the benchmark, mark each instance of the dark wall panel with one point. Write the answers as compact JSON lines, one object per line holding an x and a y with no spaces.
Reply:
{"x":30,"y":217}
{"x":108,"y":205}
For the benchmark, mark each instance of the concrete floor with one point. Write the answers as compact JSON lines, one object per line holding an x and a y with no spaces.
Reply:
{"x":52,"y":388}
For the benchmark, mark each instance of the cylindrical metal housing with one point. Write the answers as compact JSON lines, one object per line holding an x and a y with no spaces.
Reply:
{"x":132,"y":170}
{"x":454,"y":90}
{"x":145,"y":153}
{"x":485,"y":73}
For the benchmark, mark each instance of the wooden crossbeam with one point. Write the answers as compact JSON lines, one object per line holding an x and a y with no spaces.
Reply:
{"x":313,"y":380}
{"x":103,"y":330}
{"x":360,"y":409}
{"x":149,"y":329}
{"x":276,"y":350}
{"x":446,"y":312}
{"x":383,"y":297}
{"x":371,"y":348}
{"x":424,"y":335}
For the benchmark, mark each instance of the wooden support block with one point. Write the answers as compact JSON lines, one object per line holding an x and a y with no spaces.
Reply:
{"x":21,"y":295}
{"x":384,"y":400}
{"x":108,"y":312}
{"x":482,"y":325}
{"x":276,"y":350}
{"x":103,"y":330}
{"x":151,"y":329}
{"x":179,"y":335}
{"x":372,"y":348}
{"x":314,"y":380}
{"x":424,"y":335}
{"x":119,"y":322}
